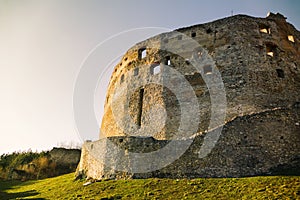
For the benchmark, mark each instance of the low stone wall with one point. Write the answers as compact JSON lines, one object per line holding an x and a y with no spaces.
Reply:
{"x":257,"y":144}
{"x":62,"y":156}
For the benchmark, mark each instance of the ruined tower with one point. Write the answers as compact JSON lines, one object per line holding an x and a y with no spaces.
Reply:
{"x":230,"y":87}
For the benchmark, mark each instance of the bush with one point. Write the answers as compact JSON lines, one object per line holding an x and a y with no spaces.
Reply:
{"x":30,"y":165}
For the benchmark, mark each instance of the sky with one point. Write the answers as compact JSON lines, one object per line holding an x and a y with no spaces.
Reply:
{"x":45,"y":46}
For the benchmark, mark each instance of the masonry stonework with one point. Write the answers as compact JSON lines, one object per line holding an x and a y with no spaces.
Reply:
{"x":259,"y":62}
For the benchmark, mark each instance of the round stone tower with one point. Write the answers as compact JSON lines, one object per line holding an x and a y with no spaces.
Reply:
{"x":258,"y":59}
{"x":230,"y":86}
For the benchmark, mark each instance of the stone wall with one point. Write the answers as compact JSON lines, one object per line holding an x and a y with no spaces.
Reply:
{"x":149,"y":102}
{"x":259,"y":71}
{"x":66,"y":157}
{"x":265,"y":143}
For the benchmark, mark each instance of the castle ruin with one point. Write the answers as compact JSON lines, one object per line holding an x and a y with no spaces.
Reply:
{"x":233,"y":83}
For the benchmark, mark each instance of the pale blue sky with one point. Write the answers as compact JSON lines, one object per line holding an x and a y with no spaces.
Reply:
{"x":43,"y":44}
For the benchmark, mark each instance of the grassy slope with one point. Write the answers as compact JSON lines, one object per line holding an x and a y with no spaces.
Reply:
{"x":64,"y":187}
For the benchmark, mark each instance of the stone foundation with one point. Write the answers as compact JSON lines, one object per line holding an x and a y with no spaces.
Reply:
{"x":265,"y":143}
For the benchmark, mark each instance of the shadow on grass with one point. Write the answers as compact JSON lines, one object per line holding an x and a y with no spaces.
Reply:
{"x":7,"y":196}
{"x":6,"y":185}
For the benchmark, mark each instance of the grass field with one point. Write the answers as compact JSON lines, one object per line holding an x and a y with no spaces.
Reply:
{"x":64,"y":187}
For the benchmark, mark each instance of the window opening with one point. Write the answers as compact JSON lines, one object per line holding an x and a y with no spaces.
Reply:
{"x":142,"y":53}
{"x":270,"y":49}
{"x":291,"y":38}
{"x":207,"y":69}
{"x":264,"y":29}
{"x":140,"y":107}
{"x":168,"y":60}
{"x":280,"y":73}
{"x":155,"y":69}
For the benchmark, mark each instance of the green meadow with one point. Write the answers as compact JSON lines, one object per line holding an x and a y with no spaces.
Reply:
{"x":65,"y":187}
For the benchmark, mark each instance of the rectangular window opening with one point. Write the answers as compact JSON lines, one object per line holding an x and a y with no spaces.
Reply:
{"x":271,"y":49}
{"x":280,"y":73}
{"x":140,"y":107}
{"x":264,"y":30}
{"x":168,"y":60}
{"x":207,"y":69}
{"x":155,"y":69}
{"x":142,"y":53}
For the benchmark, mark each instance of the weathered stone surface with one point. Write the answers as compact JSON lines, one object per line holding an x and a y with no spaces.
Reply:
{"x":66,"y":157}
{"x":256,"y":144}
{"x":259,"y":66}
